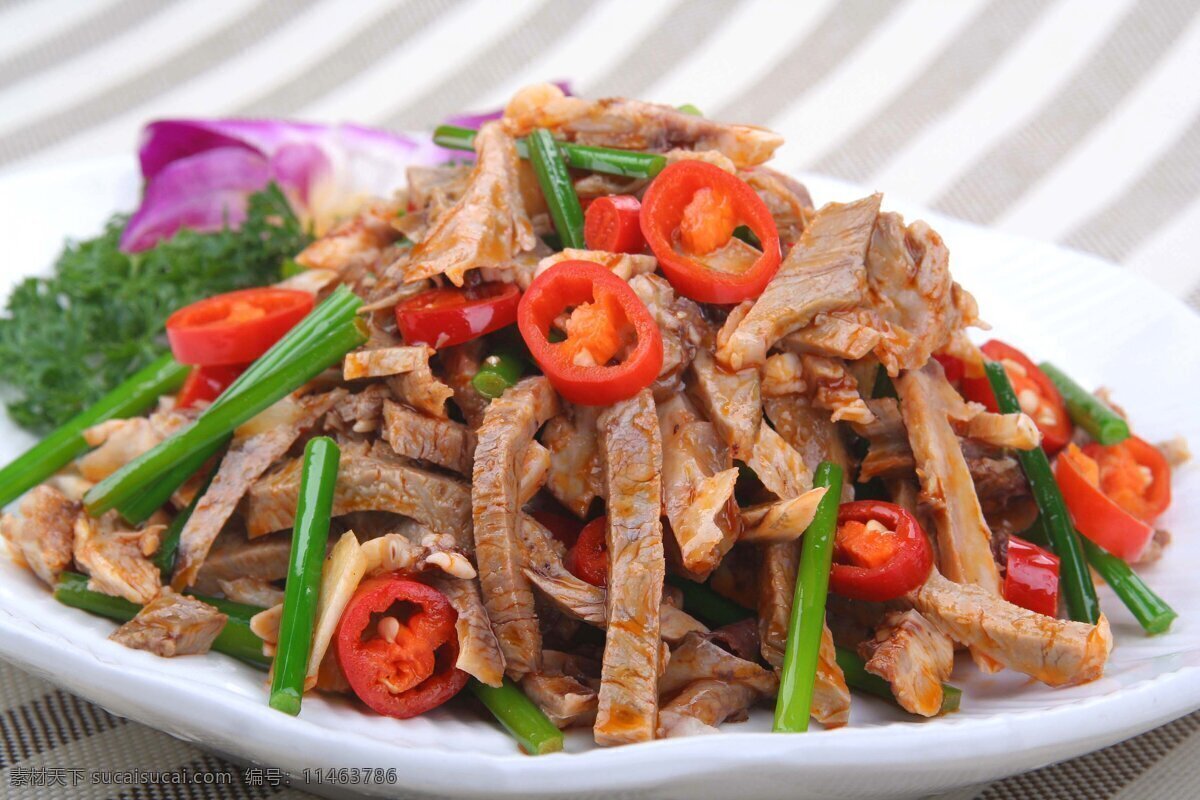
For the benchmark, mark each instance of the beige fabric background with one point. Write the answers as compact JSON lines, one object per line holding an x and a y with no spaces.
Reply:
{"x":1074,"y":121}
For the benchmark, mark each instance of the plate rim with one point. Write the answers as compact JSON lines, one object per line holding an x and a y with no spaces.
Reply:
{"x":1130,"y":709}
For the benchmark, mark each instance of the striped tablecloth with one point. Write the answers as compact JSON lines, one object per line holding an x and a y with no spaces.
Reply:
{"x":1073,"y":121}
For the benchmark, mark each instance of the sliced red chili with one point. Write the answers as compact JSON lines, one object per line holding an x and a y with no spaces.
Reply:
{"x":612,"y":223}
{"x":1037,"y":394}
{"x":1135,"y":475}
{"x":397,"y":645}
{"x":608,"y":318}
{"x":953,"y":366}
{"x":236,"y":327}
{"x":449,"y":316}
{"x":1095,"y":514}
{"x":889,"y":553}
{"x":1031,"y":577}
{"x":588,"y":559}
{"x":205,"y":384}
{"x":691,"y":210}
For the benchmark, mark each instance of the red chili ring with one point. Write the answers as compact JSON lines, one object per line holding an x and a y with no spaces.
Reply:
{"x":573,"y":283}
{"x":908,"y":568}
{"x":613,"y":224}
{"x":662,"y":210}
{"x":422,"y":659}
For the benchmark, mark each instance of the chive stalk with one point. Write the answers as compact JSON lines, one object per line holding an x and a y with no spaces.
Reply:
{"x":608,"y":160}
{"x":235,"y":639}
{"x":557,"y":187}
{"x":794,"y":703}
{"x":748,"y":236}
{"x":1074,"y":577}
{"x":168,"y":547}
{"x":152,"y":498}
{"x":319,"y":340}
{"x":498,"y":372}
{"x":534,"y":732}
{"x":56,"y":450}
{"x":310,"y":534}
{"x":690,"y":110}
{"x":454,"y":137}
{"x":1086,"y":410}
{"x":1153,"y":613}
{"x":705,"y":604}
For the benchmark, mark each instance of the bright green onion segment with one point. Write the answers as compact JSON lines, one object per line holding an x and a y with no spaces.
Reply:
{"x":498,"y":372}
{"x":1086,"y":410}
{"x":1074,"y":580}
{"x":799,"y":673}
{"x":310,"y":534}
{"x":607,"y":160}
{"x":558,"y":188}
{"x":532,"y":729}
{"x":54,"y":452}
{"x":318,"y":341}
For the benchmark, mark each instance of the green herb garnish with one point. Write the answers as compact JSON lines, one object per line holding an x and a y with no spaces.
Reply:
{"x":67,"y":339}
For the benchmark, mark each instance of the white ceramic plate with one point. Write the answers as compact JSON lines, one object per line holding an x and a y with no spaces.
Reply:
{"x":1103,"y":324}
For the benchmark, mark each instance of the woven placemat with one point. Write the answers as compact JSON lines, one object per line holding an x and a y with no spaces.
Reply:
{"x":55,"y":745}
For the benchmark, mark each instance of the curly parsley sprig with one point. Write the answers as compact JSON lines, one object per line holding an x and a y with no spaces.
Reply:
{"x":67,"y":339}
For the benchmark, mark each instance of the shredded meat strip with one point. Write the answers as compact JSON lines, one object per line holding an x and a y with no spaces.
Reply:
{"x":459,"y":365}
{"x":479,"y":653}
{"x":1056,"y":652}
{"x":506,"y":431}
{"x":698,"y":482}
{"x":380,"y":362}
{"x":632,"y":456}
{"x":442,"y":442}
{"x":964,"y":541}
{"x":912,"y":655}
{"x":575,"y":477}
{"x":116,"y":559}
{"x":487,"y":225}
{"x":245,"y":462}
{"x":824,"y":272}
{"x":368,"y":480}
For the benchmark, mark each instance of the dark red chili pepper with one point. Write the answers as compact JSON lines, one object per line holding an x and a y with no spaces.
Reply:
{"x":588,"y":559}
{"x":565,"y":529}
{"x":397,"y":645}
{"x":612,"y":223}
{"x":608,"y":318}
{"x":1031,"y":577}
{"x":1037,"y":394}
{"x":235,"y":327}
{"x":449,"y":316}
{"x":888,"y":552}
{"x":205,"y":384}
{"x":692,"y":209}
